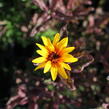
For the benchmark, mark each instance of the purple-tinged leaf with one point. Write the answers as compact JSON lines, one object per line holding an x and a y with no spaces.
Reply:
{"x":41,"y":4}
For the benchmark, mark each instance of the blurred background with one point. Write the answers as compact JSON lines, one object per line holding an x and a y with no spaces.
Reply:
{"x":85,"y":22}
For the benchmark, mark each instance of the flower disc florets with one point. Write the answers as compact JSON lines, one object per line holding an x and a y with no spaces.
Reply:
{"x":53,"y":57}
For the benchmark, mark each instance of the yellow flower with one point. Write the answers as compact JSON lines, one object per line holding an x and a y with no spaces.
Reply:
{"x":55,"y":56}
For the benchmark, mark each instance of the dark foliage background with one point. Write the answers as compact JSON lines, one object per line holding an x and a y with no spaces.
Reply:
{"x":85,"y":22}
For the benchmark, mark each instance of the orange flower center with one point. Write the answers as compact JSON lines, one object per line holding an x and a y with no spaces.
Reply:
{"x":53,"y":57}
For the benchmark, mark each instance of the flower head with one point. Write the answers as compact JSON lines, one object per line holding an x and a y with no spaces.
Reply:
{"x":55,"y":56}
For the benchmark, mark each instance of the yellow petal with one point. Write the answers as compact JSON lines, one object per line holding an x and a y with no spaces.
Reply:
{"x":62,"y":72}
{"x":44,"y":39}
{"x":38,"y":60}
{"x":63,"y":42}
{"x":66,"y":66}
{"x":56,"y":38}
{"x":41,"y":47}
{"x":47,"y":66}
{"x":69,"y":58}
{"x":42,"y":53}
{"x":50,"y":45}
{"x":39,"y":66}
{"x":68,"y":50}
{"x":53,"y":73}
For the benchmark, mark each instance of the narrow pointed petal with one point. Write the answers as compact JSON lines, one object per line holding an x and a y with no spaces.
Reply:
{"x":44,"y":39}
{"x":63,"y":42}
{"x":68,"y":50}
{"x":42,"y":53}
{"x":50,"y":45}
{"x":53,"y":73}
{"x":41,"y":47}
{"x":38,"y":60}
{"x":66,"y":66}
{"x":47,"y":66}
{"x":62,"y":72}
{"x":56,"y":38}
{"x":69,"y":58}
{"x":39,"y":66}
